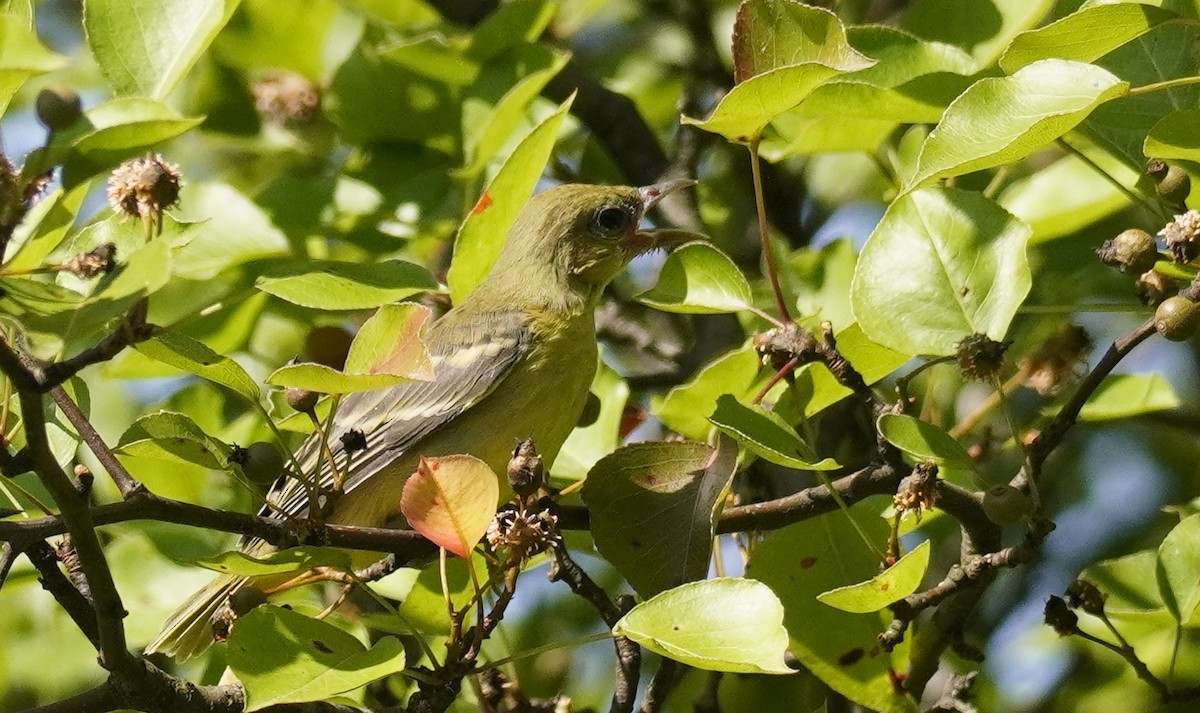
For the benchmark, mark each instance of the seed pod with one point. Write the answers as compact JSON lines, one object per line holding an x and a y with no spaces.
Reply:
{"x":58,"y":107}
{"x":525,"y":470}
{"x":1132,"y":252}
{"x":980,"y":357}
{"x":261,"y":462}
{"x":1005,"y":505}
{"x":1058,"y":615}
{"x":301,"y":400}
{"x":1171,"y":182}
{"x":1177,"y":318}
{"x":1082,"y":594}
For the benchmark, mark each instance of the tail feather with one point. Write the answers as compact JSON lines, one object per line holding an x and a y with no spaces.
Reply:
{"x":188,"y":631}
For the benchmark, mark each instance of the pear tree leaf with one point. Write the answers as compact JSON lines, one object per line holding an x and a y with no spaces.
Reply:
{"x":1178,"y":563}
{"x":1175,"y":136}
{"x":887,"y":587}
{"x":282,"y":656}
{"x":801,"y":561}
{"x":1127,"y":395}
{"x":295,"y":559}
{"x":482,"y":233}
{"x":145,"y":47}
{"x":697,"y":278}
{"x":726,"y":624}
{"x":173,"y":436}
{"x":654,"y":507}
{"x":451,"y":500}
{"x":766,"y":434}
{"x":685,"y":409}
{"x":1086,"y":34}
{"x":1002,"y":119}
{"x":183,"y":352}
{"x":337,"y":285}
{"x":327,"y":380}
{"x":923,"y":441}
{"x":22,"y":56}
{"x":941,"y":264}
{"x":389,"y":342}
{"x":114,"y":131}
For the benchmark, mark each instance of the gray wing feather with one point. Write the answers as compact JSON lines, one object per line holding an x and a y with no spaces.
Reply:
{"x":467,"y":366}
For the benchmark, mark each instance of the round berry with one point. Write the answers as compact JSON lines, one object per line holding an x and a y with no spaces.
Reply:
{"x":58,"y":107}
{"x":1005,"y":505}
{"x":301,"y":400}
{"x":1176,"y":318}
{"x":262,"y":462}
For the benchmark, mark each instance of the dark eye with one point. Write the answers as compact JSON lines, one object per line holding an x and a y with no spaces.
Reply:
{"x":611,"y":219}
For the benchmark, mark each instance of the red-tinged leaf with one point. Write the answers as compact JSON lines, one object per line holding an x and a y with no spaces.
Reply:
{"x":450,"y":500}
{"x":390,"y":343}
{"x":484,"y":202}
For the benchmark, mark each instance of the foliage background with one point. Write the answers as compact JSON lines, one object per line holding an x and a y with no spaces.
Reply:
{"x":420,"y":105}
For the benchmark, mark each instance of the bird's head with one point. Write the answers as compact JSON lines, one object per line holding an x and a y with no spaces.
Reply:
{"x":579,"y":237}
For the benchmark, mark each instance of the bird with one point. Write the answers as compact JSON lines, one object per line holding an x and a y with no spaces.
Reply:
{"x":513,"y":361}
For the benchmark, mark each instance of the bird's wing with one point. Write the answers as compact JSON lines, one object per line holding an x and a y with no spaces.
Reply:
{"x":470,"y":357}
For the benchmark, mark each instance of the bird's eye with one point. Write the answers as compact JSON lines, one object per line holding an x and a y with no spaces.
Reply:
{"x":611,"y":219}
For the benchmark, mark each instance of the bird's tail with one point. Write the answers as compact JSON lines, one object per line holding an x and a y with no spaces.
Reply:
{"x":188,"y":631}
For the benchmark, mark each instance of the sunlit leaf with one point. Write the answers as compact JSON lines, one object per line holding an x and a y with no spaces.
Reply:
{"x":766,"y":434}
{"x":1086,"y":34}
{"x":451,"y":500}
{"x":182,"y":352}
{"x":941,"y":264}
{"x":327,"y":380}
{"x":923,"y":440}
{"x":21,"y":56}
{"x":1178,"y":563}
{"x":1176,"y":135}
{"x":726,"y":624}
{"x":891,"y":585}
{"x":1126,"y":395}
{"x":173,"y":436}
{"x":699,"y":279}
{"x":346,"y":285}
{"x":390,"y":343}
{"x":295,"y":559}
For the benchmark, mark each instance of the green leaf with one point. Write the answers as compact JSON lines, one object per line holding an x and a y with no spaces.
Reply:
{"x":173,"y":436}
{"x":1120,"y":127}
{"x":1175,"y":136}
{"x":21,"y":56}
{"x":923,"y":441}
{"x":770,"y":34}
{"x":327,"y":380}
{"x":228,"y":230}
{"x":766,"y":434}
{"x":803,"y":560}
{"x":44,"y":227}
{"x":295,"y":559}
{"x":1126,"y":395}
{"x":872,"y":360}
{"x":653,"y":509}
{"x":750,"y":106}
{"x":941,"y":264}
{"x":487,"y":126}
{"x":588,"y":444}
{"x":183,"y":352}
{"x":983,"y":30}
{"x":282,"y":656}
{"x":483,"y":232}
{"x":424,"y":609}
{"x":146,"y":47}
{"x":1066,"y":196}
{"x":451,"y":500}
{"x":725,"y":624}
{"x":686,"y":408}
{"x":1085,"y":35}
{"x":389,"y":342}
{"x":699,"y":279}
{"x":1003,"y":119}
{"x":119,"y":128}
{"x":889,"y":586}
{"x":1178,"y":564}
{"x":336,"y":285}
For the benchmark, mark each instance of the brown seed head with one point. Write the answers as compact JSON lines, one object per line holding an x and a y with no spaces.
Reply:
{"x":1182,"y":236}
{"x":286,"y":98}
{"x":980,"y":357}
{"x":144,"y":186}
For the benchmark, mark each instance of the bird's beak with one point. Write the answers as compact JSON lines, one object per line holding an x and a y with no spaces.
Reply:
{"x":646,"y":240}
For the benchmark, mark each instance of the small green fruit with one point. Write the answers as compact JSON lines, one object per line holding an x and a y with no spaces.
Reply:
{"x":262,"y":462}
{"x":1177,"y":318}
{"x":1132,"y":251}
{"x":58,"y":107}
{"x":1005,"y":505}
{"x":1174,"y":186}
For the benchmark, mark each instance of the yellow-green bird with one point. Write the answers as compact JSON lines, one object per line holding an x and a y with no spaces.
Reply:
{"x":513,"y":361}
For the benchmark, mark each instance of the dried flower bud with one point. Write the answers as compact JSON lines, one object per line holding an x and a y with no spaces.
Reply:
{"x":1058,"y":615}
{"x":1055,"y":362}
{"x":1171,"y":182}
{"x":144,"y":186}
{"x":58,"y":107}
{"x":525,"y":471}
{"x":918,"y":490}
{"x":97,"y":261}
{"x":1182,"y":236}
{"x":301,"y":400}
{"x":1153,"y":287}
{"x":1082,"y":594}
{"x":1132,"y":252}
{"x":287,"y":98}
{"x":353,"y":441}
{"x":980,"y":357}
{"x":522,"y":533}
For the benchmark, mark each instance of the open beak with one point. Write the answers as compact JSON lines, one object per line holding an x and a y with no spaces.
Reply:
{"x":646,"y":240}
